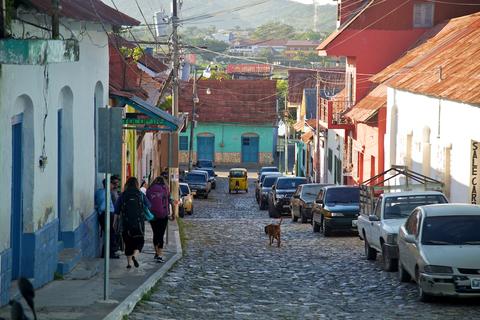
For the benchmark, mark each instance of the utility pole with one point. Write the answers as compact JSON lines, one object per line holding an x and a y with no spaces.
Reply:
{"x":286,"y":136}
{"x":173,"y":137}
{"x":192,"y":121}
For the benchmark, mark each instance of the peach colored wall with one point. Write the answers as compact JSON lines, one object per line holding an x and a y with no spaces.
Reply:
{"x":368,"y":137}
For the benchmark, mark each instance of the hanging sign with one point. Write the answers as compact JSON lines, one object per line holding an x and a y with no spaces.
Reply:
{"x":474,"y":197}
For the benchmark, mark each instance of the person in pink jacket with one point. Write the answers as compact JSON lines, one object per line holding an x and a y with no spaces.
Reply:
{"x":159,"y":197}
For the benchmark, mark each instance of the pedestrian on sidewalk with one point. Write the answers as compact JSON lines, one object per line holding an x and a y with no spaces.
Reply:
{"x":159,"y":196}
{"x":131,"y":208}
{"x":100,"y":207}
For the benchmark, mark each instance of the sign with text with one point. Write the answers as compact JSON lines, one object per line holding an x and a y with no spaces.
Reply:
{"x":474,"y":173}
{"x":110,"y":140}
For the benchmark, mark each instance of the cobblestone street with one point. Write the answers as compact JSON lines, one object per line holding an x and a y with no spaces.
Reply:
{"x":230,"y":272}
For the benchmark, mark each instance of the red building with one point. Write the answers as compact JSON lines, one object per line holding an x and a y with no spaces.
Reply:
{"x":371,"y":35}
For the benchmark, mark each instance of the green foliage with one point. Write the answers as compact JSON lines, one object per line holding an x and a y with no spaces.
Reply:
{"x":134,"y":53}
{"x":310,"y":35}
{"x":57,"y":276}
{"x":274,"y":30}
{"x":219,"y":75}
{"x":282,"y":88}
{"x":210,"y":44}
{"x":167,"y":104}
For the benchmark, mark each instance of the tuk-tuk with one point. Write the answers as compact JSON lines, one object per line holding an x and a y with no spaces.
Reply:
{"x":237,"y":180}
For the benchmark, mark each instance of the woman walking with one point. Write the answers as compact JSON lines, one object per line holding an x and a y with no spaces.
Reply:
{"x":159,"y":197}
{"x":131,"y":206}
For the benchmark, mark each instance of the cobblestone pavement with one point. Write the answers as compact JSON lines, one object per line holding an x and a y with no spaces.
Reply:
{"x":230,"y":272}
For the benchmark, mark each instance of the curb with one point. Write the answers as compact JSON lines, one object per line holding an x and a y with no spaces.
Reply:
{"x":127,"y":305}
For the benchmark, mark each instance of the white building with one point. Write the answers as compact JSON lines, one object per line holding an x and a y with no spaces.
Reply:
{"x":49,"y":93}
{"x":433,"y":109}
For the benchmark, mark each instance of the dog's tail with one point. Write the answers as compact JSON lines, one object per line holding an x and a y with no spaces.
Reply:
{"x":281,"y":219}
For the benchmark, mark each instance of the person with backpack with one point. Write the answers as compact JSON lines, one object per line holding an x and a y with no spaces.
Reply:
{"x":159,"y":196}
{"x":131,"y":209}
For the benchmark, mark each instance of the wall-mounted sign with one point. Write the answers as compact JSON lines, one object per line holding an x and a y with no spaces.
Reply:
{"x":474,"y":197}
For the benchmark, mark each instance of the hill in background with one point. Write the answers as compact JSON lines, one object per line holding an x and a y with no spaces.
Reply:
{"x":298,"y":15}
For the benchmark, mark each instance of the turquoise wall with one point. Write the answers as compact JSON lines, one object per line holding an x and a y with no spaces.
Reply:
{"x":231,"y":135}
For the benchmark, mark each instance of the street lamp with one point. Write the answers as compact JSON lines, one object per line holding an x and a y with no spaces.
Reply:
{"x":205,"y":74}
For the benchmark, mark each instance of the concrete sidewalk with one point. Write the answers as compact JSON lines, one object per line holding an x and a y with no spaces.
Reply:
{"x":80,"y":294}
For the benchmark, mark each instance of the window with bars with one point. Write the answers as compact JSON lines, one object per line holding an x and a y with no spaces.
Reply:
{"x":183,"y":143}
{"x":423,"y":13}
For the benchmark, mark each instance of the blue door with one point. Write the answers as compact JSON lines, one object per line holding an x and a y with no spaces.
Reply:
{"x":250,"y":149}
{"x":16,"y":226}
{"x":59,"y":173}
{"x":206,"y":148}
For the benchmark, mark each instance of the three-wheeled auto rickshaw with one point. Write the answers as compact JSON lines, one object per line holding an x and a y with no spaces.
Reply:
{"x":237,"y":180}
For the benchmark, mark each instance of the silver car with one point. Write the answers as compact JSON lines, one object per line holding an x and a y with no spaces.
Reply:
{"x":439,"y":248}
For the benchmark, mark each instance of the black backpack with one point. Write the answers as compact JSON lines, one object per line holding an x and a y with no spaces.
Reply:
{"x":132,"y":213}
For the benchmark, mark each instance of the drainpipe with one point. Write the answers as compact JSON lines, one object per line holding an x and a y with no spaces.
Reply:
{"x":55,"y":19}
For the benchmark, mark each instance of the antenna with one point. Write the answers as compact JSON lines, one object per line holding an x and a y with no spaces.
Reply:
{"x":316,"y":4}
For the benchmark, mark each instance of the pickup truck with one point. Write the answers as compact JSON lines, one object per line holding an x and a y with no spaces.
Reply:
{"x":386,"y":201}
{"x":379,"y":229}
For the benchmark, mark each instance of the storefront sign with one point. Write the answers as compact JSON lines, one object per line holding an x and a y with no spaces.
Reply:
{"x":474,"y":197}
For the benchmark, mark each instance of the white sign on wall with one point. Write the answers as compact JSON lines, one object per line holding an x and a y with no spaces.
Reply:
{"x":474,"y":173}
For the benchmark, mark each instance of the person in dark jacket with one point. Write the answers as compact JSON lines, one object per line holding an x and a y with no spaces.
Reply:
{"x":159,"y":196}
{"x":131,"y":209}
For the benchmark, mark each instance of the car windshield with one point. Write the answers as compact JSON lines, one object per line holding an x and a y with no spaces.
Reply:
{"x":210,"y":172}
{"x":310,"y":192}
{"x":205,"y":164}
{"x":196,"y":177}
{"x":451,"y":230}
{"x":237,"y":174}
{"x":184,"y":189}
{"x":266,"y":174}
{"x":402,"y":206}
{"x":290,"y":183}
{"x":342,"y":195}
{"x":269,"y":181}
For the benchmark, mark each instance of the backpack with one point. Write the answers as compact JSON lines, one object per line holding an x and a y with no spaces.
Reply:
{"x":132,"y":214}
{"x":160,"y":200}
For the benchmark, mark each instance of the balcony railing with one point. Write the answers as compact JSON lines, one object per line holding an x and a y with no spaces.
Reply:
{"x":331,"y":114}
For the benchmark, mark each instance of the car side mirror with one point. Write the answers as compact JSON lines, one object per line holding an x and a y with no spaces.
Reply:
{"x":319,"y":201}
{"x":410,"y":238}
{"x":296,"y":196}
{"x":373,"y":218}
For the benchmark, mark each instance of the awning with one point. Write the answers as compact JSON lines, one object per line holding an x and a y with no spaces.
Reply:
{"x":307,"y":136}
{"x":157,"y":116}
{"x":368,"y":107}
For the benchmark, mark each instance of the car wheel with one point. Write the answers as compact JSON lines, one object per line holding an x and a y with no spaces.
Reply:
{"x":205,"y":196}
{"x":246,"y":190}
{"x":316,"y":226}
{"x":327,"y":231}
{"x":403,"y":275}
{"x":229,"y":190}
{"x":262,"y":205}
{"x":302,"y":216}
{"x":181,"y":212}
{"x":370,"y":253}
{"x":389,"y":265}
{"x":214,"y":186}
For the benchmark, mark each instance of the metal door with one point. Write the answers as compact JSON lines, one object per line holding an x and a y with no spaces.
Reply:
{"x":16,"y":226}
{"x":250,"y":149}
{"x":206,"y":148}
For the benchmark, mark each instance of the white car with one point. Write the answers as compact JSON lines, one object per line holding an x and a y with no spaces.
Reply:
{"x":439,"y":247}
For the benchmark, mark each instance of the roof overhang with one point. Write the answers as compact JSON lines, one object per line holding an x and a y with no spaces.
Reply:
{"x":165,"y":120}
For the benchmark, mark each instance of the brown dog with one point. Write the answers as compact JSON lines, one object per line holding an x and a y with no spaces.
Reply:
{"x":273,"y":231}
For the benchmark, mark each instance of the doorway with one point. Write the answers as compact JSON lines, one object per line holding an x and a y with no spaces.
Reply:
{"x":16,"y":226}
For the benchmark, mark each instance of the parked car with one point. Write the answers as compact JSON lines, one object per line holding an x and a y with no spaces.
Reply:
{"x":379,"y":229}
{"x":259,"y":181}
{"x":198,"y":182}
{"x":439,"y":248}
{"x":266,"y":187}
{"x":211,"y":176}
{"x":335,"y":208}
{"x":282,"y":191}
{"x":186,"y":197}
{"x":204,"y":163}
{"x":302,"y":201}
{"x":267,"y":169}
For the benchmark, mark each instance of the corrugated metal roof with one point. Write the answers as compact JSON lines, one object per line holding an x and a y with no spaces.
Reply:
{"x":369,"y":106}
{"x":446,"y":66}
{"x":87,"y":10}
{"x":307,"y":136}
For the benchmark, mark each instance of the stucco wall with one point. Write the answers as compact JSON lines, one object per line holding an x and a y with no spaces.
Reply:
{"x":450,"y":123}
{"x":40,"y":185}
{"x":228,"y":139}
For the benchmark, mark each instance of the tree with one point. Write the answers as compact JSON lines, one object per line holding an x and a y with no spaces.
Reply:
{"x":273,"y":30}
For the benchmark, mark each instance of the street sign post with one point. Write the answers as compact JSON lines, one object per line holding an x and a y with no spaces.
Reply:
{"x":110,"y":147}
